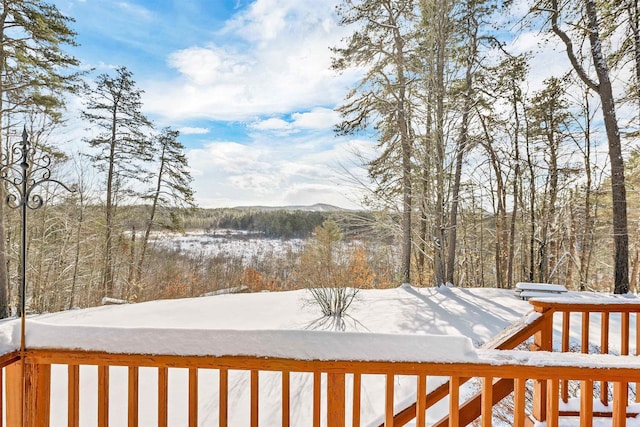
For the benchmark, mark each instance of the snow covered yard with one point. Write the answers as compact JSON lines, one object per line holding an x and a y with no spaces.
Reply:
{"x":405,"y":323}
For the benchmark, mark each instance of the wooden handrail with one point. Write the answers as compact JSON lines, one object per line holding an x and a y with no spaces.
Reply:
{"x":594,"y":306}
{"x":9,"y":358}
{"x":508,"y":365}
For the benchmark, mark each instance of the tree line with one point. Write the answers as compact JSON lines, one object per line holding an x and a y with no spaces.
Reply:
{"x":278,"y":223}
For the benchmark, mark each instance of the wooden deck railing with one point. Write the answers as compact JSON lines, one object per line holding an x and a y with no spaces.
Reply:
{"x":593,"y":334}
{"x":554,"y":320}
{"x":335,"y":387}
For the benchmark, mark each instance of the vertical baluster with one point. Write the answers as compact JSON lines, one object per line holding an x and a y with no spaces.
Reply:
{"x":585,"y":332}
{"x":389,"y":400}
{"x":566,"y":322}
{"x":254,"y":398}
{"x":624,"y":344}
{"x":317,"y":377}
{"x":357,"y":392}
{"x":421,"y":401}
{"x":286,"y":403}
{"x":487,"y":401}
{"x":133,"y":398}
{"x":193,"y":397}
{"x":604,"y":349}
{"x":73,"y":396}
{"x":519,"y":403}
{"x":103,"y":396}
{"x":454,"y":401}
{"x":223,"y":406}
{"x":586,"y":403}
{"x":552,"y":402}
{"x":163,"y":391}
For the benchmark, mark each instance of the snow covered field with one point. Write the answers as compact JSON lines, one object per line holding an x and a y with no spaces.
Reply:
{"x":415,"y":323}
{"x":233,"y":244}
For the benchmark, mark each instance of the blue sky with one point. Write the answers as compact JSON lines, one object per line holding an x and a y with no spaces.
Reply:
{"x":246,"y":82}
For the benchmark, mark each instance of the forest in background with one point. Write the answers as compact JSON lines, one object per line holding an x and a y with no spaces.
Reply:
{"x":476,"y":180}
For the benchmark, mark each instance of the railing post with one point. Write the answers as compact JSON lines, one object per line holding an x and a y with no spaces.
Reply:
{"x":14,"y":391}
{"x":335,"y":400}
{"x":542,"y":341}
{"x":37,"y":394}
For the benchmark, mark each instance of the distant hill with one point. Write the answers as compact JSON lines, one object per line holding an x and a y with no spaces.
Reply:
{"x":318,"y":207}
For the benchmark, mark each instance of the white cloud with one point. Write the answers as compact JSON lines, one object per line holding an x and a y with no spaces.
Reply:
{"x":205,"y":66}
{"x":317,"y":118}
{"x":310,"y":193}
{"x":134,"y":9}
{"x":271,"y":58}
{"x":193,"y":130}
{"x":271,"y":170}
{"x":272,"y":124}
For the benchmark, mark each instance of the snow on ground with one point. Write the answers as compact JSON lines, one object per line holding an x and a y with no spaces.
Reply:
{"x":231,"y":245}
{"x":475,"y":313}
{"x":405,"y":323}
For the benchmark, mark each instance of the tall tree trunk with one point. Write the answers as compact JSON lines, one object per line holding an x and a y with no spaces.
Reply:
{"x":604,"y":90}
{"x":107,"y":281}
{"x":586,"y":241}
{"x":425,"y":233}
{"x":439,"y":227}
{"x":633,"y":9}
{"x":152,"y":216}
{"x":406,"y":144}
{"x":76,"y":259}
{"x":516,"y":187}
{"x":532,"y":211}
{"x":462,"y":148}
{"x":618,"y":188}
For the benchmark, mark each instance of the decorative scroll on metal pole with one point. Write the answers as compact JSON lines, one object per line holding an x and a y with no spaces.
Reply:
{"x":23,"y":173}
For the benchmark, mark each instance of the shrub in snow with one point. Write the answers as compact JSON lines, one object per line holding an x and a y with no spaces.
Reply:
{"x":333,"y":301}
{"x":327,"y":272}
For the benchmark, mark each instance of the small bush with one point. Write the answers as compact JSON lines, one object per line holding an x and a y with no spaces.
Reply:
{"x":333,"y":301}
{"x":326,"y":272}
